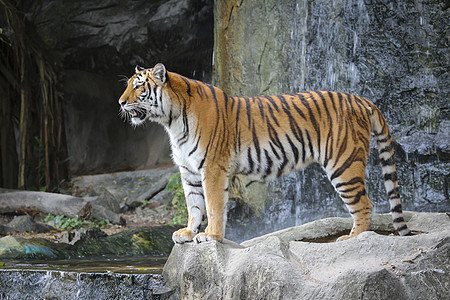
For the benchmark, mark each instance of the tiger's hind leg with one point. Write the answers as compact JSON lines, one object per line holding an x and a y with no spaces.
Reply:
{"x":350,"y":186}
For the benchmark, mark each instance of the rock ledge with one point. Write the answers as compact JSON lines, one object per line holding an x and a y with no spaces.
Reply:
{"x":282,"y":265}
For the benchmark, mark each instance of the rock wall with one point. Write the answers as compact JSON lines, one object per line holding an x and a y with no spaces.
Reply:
{"x":101,"y":42}
{"x":392,"y":53}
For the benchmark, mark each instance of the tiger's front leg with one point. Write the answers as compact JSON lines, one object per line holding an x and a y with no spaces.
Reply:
{"x":215,"y":184}
{"x":195,"y":203}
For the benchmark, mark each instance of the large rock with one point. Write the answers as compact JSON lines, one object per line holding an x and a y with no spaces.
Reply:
{"x":27,"y":224}
{"x":298,"y":263}
{"x":13,"y":201}
{"x":129,"y":188}
{"x":392,"y":53}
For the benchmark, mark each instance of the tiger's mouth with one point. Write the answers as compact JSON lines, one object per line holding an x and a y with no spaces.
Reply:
{"x":140,"y":114}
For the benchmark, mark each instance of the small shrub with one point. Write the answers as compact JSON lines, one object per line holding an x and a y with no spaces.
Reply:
{"x":178,"y":201}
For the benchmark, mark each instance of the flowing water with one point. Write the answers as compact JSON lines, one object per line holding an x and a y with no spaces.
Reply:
{"x":93,"y":278}
{"x":120,"y":265}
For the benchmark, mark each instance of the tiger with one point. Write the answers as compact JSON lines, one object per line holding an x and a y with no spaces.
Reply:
{"x":214,"y":136}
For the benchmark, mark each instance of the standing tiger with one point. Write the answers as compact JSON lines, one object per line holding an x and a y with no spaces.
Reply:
{"x":214,"y":135}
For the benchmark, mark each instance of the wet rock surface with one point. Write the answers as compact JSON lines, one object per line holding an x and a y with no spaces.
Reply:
{"x":394,"y":54}
{"x":154,"y":240}
{"x":302,"y":263}
{"x":79,"y":285}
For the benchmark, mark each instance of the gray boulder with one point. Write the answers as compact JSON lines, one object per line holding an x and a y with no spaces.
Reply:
{"x":12,"y":201}
{"x":299,"y":263}
{"x":26,"y":224}
{"x":129,"y":188}
{"x":4,"y":230}
{"x":101,"y":196}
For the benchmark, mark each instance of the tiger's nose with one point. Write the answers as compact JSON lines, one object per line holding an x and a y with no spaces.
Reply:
{"x":122,"y":102}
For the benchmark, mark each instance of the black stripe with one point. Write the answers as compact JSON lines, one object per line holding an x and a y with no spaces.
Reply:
{"x":329,"y":153}
{"x":299,"y":111}
{"x":206,"y":153}
{"x":355,"y":211}
{"x":316,"y":104}
{"x":272,"y":102}
{"x":284,"y":103}
{"x":250,"y":160}
{"x":331,"y":95}
{"x":313,"y":119}
{"x":397,"y":208}
{"x":348,"y":162}
{"x":283,"y":163}
{"x":329,"y":136}
{"x":387,"y":162}
{"x":399,"y":220}
{"x":387,"y":149}
{"x":352,"y":181}
{"x":188,"y":91}
{"x":274,"y":151}
{"x":350,"y":189}
{"x":401,"y":228}
{"x":249,"y":117}
{"x":238,"y":112}
{"x":394,"y":193}
{"x":357,"y":197}
{"x":213,"y":91}
{"x":256,"y":143}
{"x":273,"y":135}
{"x":294,"y":149}
{"x":181,"y":141}
{"x":170,"y":118}
{"x":195,"y":147}
{"x":342,"y":147}
{"x":194,"y":184}
{"x":261,"y":107}
{"x":189,"y":170}
{"x":384,"y":140}
{"x":391,"y":176}
{"x":269,"y":164}
{"x":225,"y":98}
{"x":310,"y":145}
{"x":272,"y":114}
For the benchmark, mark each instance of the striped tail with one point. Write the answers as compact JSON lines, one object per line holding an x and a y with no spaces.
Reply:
{"x":386,"y":153}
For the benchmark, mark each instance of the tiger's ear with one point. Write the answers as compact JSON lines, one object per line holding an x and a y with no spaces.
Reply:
{"x":159,"y":73}
{"x":138,"y":68}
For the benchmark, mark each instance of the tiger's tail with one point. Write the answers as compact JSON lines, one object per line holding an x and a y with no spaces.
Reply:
{"x":387,"y":160}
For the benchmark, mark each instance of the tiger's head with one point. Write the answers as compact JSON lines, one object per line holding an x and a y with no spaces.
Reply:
{"x":144,"y":98}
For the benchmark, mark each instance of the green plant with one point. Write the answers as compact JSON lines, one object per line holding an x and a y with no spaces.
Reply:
{"x":178,"y":200}
{"x":66,"y":223}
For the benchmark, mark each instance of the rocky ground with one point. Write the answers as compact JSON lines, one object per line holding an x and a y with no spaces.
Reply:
{"x":138,"y":199}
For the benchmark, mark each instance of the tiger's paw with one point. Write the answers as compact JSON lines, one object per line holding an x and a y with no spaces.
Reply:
{"x":182,"y":236}
{"x":203,"y":237}
{"x":343,"y":238}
